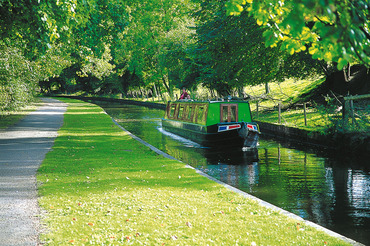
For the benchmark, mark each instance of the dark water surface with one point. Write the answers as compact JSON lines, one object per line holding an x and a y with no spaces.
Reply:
{"x":330,"y":190}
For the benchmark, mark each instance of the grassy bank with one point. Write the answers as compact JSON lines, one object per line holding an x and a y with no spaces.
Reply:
{"x":289,"y":93}
{"x":323,"y":109}
{"x":99,"y":186}
{"x":9,"y":118}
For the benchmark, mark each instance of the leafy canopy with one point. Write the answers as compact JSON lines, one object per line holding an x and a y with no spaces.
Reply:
{"x":332,"y":30}
{"x":231,"y":52}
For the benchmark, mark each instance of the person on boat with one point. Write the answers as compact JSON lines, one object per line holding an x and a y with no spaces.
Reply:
{"x":184,"y":94}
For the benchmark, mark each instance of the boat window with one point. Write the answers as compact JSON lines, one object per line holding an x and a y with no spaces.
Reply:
{"x":233,"y":113}
{"x":190,"y":111}
{"x":224,"y":113}
{"x":172,"y":111}
{"x":200,"y":114}
{"x":181,"y":112}
{"x":229,"y":112}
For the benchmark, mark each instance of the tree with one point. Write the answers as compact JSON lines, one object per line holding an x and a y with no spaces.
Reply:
{"x":33,"y":45}
{"x":336,"y":31}
{"x":29,"y":51}
{"x":155,"y":28}
{"x":232,"y":52}
{"x":18,"y":79}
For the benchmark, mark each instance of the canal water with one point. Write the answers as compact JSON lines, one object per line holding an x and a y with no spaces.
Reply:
{"x":330,"y":190}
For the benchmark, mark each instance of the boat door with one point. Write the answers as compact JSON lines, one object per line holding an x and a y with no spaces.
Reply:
{"x":229,"y":112}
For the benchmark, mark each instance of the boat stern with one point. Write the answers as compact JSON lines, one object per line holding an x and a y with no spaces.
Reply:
{"x":249,"y":131}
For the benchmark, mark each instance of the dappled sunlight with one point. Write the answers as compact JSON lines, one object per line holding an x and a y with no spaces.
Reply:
{"x":47,"y":113}
{"x":29,"y":136}
{"x":81,"y":113}
{"x":82,"y":133}
{"x":76,"y":105}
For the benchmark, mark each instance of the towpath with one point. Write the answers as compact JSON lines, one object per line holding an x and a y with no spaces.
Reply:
{"x":22,"y":149}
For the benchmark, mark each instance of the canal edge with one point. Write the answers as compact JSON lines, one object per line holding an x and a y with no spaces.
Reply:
{"x":245,"y":194}
{"x":352,"y":144}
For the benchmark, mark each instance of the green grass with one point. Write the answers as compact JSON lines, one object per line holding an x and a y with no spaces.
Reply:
{"x":291,"y":94}
{"x":316,"y":121}
{"x":98,"y":186}
{"x":288,"y":93}
{"x":9,"y":118}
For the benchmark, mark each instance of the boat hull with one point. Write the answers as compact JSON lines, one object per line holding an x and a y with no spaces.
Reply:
{"x":211,"y":136}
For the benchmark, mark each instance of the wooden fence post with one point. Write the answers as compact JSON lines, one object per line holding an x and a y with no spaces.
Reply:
{"x":279,"y":113}
{"x":305,"y":115}
{"x":352,"y":110}
{"x":346,"y":107}
{"x":345,"y":113}
{"x":257,"y":108}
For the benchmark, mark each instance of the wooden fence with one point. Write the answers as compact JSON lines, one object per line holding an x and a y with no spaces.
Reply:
{"x":279,"y":108}
{"x":349,"y":109}
{"x":346,"y":111}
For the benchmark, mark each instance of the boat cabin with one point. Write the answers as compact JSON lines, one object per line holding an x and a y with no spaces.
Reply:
{"x":212,"y":123}
{"x":209,"y":113}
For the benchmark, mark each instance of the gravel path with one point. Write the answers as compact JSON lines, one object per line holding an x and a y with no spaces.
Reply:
{"x":22,"y":149}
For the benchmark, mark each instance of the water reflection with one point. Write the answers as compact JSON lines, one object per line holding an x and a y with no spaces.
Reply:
{"x":333,"y":192}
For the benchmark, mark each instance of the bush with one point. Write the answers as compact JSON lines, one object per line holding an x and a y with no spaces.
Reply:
{"x":18,"y":79}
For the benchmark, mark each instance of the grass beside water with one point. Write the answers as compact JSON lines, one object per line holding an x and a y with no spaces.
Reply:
{"x":99,"y":186}
{"x":287,"y":93}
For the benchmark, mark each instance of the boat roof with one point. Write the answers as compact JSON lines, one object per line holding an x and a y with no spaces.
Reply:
{"x":212,"y":101}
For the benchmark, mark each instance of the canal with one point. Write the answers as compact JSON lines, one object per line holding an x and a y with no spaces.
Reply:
{"x":330,"y":190}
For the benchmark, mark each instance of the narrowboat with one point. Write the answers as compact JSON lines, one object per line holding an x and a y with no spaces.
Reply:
{"x":212,"y":123}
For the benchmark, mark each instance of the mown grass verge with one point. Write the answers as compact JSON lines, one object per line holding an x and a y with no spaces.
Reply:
{"x":98,"y":186}
{"x":9,"y":118}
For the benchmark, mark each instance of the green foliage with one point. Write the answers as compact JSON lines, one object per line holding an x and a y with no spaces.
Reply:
{"x":30,"y":32}
{"x":35,"y":26}
{"x":55,"y":35}
{"x":18,"y":79}
{"x":232,"y":52}
{"x":156,"y":42}
{"x":334,"y":30}
{"x":164,"y":45}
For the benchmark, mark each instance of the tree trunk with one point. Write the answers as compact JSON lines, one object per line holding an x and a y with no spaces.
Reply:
{"x":241,"y":93}
{"x":160,"y":92}
{"x":267,"y":88}
{"x":141,"y":92}
{"x":167,"y":87}
{"x":155,"y":93}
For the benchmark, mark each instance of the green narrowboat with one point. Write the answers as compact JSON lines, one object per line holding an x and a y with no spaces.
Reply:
{"x":212,"y":123}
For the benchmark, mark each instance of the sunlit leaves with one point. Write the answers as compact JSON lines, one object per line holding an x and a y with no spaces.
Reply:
{"x":156,"y":40}
{"x":235,"y":7}
{"x":96,"y":66}
{"x":18,"y":78}
{"x":233,"y":52}
{"x":84,"y":34}
{"x":334,"y":31}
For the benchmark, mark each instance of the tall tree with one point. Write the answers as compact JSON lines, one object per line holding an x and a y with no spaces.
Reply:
{"x":150,"y":37}
{"x":233,"y":54}
{"x":28,"y":46}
